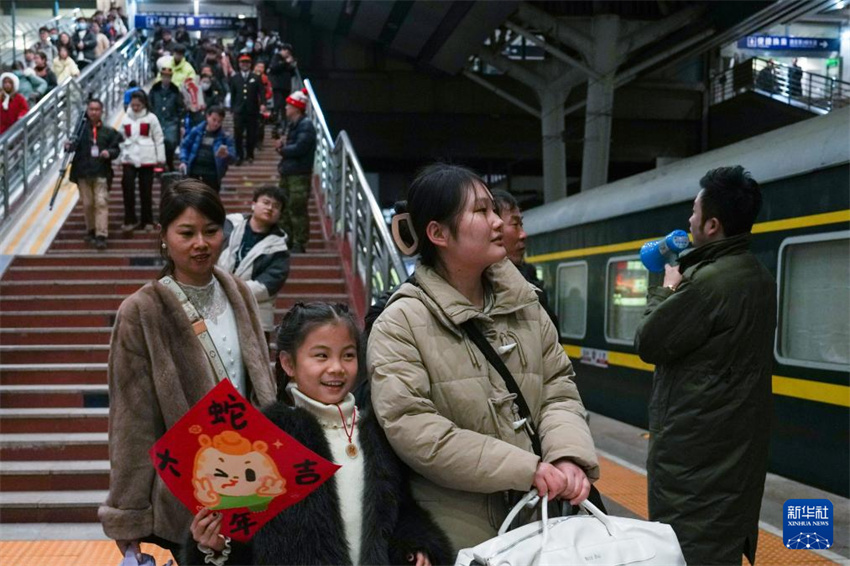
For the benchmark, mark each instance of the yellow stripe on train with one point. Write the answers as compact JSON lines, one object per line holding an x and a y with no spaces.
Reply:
{"x":760,"y":228}
{"x":817,"y":391}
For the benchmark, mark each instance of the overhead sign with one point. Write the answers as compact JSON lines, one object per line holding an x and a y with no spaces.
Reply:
{"x":193,"y":23}
{"x":787,"y":43}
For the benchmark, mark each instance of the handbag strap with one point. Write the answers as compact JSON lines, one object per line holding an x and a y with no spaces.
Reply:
{"x":199,"y":326}
{"x":479,"y":340}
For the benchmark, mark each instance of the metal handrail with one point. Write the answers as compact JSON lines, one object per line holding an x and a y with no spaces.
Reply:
{"x":33,"y":146}
{"x":350,"y":204}
{"x":816,"y":93}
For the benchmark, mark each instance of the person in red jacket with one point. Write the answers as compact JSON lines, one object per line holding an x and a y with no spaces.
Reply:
{"x":13,"y":105}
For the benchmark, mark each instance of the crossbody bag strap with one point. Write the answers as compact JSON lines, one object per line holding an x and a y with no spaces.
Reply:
{"x":199,"y":326}
{"x":496,"y":361}
{"x":479,"y":340}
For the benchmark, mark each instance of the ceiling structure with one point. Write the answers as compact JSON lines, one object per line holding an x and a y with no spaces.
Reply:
{"x":597,"y":46}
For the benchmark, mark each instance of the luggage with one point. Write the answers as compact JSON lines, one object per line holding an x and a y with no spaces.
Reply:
{"x":595,"y":538}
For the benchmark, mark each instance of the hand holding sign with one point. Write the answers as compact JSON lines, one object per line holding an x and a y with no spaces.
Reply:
{"x":225,"y":456}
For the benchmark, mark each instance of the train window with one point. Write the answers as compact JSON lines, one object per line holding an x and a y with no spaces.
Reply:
{"x":572,"y":299}
{"x":625,"y":298}
{"x":814,"y":329}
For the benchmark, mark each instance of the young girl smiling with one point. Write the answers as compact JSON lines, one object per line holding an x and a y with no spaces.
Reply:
{"x":364,"y":514}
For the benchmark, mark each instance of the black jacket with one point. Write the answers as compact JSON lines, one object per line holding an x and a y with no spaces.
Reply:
{"x":167,"y":104}
{"x":530,"y":273}
{"x":50,"y":77}
{"x":300,"y":149}
{"x":89,"y":40}
{"x":215,"y":95}
{"x":84,"y":166}
{"x":711,"y":401}
{"x":312,"y":532}
{"x":246,"y":96}
{"x":280,"y":73}
{"x":161,"y":46}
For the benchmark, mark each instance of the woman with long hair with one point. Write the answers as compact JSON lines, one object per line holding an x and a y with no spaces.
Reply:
{"x":158,"y":368}
{"x":446,"y":411}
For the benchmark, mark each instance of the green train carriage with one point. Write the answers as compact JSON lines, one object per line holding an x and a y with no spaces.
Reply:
{"x":586,"y":247}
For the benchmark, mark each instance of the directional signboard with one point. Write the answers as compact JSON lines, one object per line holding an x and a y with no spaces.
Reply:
{"x":787,"y":43}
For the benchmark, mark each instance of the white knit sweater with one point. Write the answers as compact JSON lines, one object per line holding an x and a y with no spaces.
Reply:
{"x":350,"y":478}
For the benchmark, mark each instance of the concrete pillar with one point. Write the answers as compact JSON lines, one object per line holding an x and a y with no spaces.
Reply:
{"x":554,"y":150}
{"x":600,"y":102}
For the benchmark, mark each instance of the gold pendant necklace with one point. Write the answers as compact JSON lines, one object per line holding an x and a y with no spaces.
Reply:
{"x":351,"y":449}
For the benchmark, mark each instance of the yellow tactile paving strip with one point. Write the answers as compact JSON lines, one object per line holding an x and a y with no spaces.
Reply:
{"x":69,"y":553}
{"x":626,"y":487}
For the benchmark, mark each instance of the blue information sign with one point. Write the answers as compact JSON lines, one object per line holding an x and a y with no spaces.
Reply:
{"x":193,"y":23}
{"x":786,"y":43}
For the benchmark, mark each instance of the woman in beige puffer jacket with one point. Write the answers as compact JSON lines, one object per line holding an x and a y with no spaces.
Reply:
{"x":64,"y":66}
{"x":445,"y":410}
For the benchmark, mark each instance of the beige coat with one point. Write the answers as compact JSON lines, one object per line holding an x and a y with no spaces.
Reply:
{"x":157,"y":372}
{"x":447,"y":412}
{"x":64,"y":68}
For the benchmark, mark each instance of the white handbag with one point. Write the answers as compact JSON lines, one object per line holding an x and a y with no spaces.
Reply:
{"x":594,"y":539}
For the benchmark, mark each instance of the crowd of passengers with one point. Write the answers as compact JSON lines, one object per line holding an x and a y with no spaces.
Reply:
{"x":57,"y":55}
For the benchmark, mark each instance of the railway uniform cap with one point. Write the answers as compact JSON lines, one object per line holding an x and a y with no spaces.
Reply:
{"x":298,"y":99}
{"x":244,"y":57}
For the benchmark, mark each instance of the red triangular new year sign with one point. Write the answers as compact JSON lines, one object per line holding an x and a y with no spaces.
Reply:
{"x":227,"y":456}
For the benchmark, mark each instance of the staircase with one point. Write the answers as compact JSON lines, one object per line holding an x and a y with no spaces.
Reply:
{"x":56,"y":314}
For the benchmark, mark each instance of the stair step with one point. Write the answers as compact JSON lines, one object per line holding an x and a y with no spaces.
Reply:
{"x":68,"y":273}
{"x":149,"y":244}
{"x":54,"y":354}
{"x":47,"y":420}
{"x":49,"y":395}
{"x":91,"y":259}
{"x":79,"y":506}
{"x":54,"y":446}
{"x":69,"y":318}
{"x":78,"y":233}
{"x":295,"y":284}
{"x":60,"y":475}
{"x":50,"y":374}
{"x":87,"y":303}
{"x":52,"y":336}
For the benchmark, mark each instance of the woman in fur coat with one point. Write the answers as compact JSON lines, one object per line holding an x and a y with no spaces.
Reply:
{"x":365,"y":513}
{"x":158,"y":368}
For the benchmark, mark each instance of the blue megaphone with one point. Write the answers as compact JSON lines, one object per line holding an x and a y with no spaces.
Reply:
{"x":658,"y":253}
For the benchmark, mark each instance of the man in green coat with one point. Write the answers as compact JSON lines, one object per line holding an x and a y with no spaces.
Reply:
{"x":709,"y":329}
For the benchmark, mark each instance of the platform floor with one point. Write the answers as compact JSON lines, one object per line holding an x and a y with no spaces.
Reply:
{"x":622,"y":453}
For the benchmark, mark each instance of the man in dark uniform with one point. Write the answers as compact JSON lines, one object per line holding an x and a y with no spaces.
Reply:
{"x":247,"y":101}
{"x":709,"y":329}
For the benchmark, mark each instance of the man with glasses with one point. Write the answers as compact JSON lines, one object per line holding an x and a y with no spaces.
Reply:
{"x":255,"y":250}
